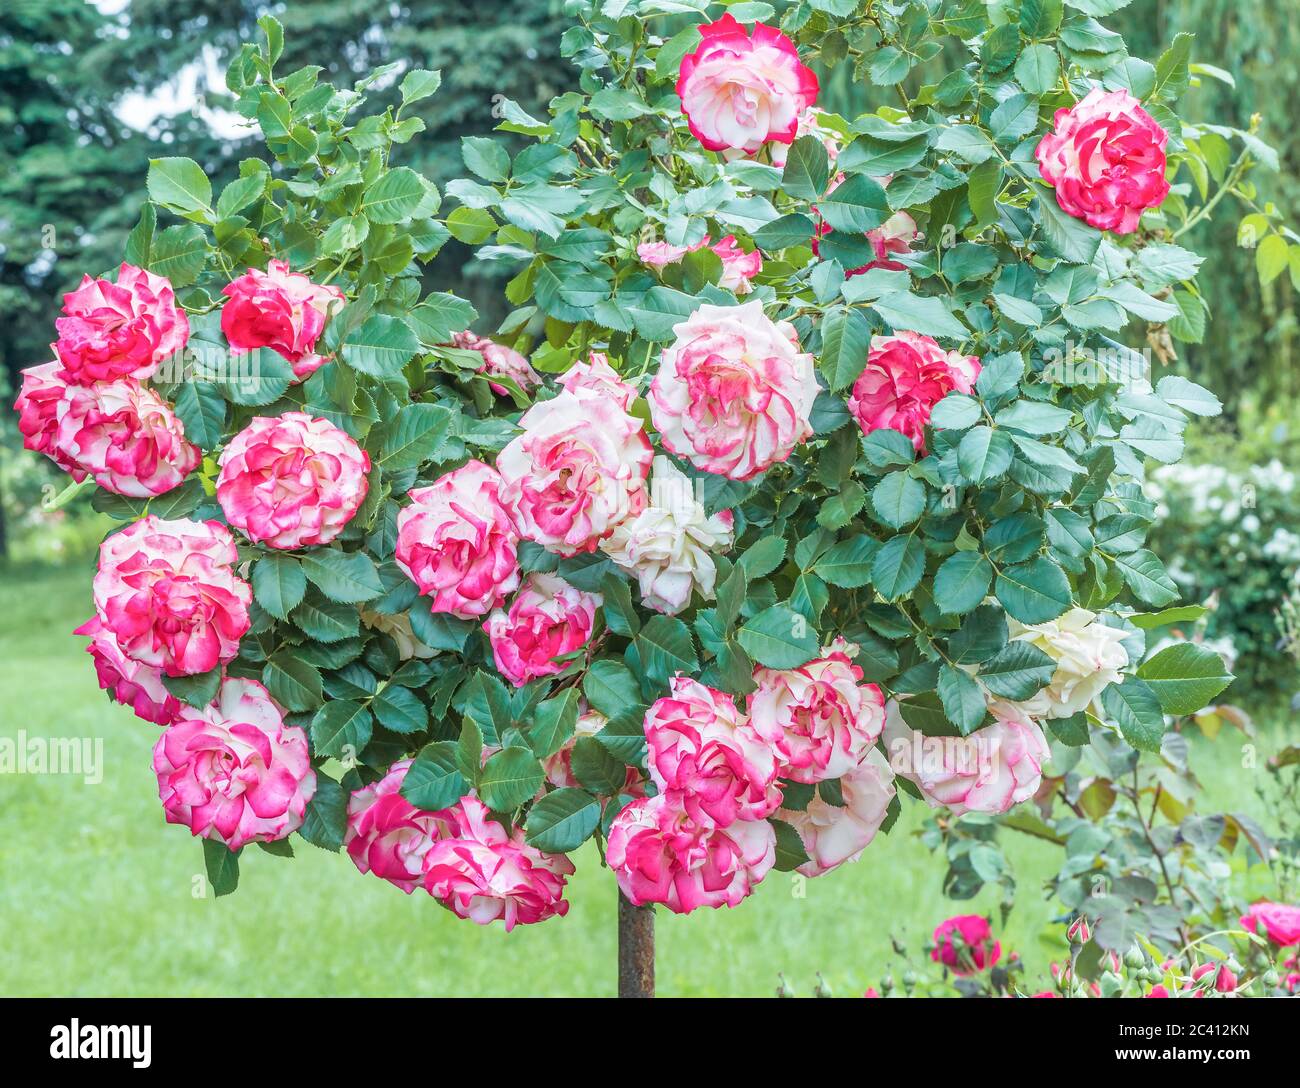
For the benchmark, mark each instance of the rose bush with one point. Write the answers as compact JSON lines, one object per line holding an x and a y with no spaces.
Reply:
{"x":887,"y":486}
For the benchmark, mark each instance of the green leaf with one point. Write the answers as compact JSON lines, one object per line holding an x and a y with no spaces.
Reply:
{"x":1185,"y":677}
{"x":326,"y":820}
{"x":394,"y":196}
{"x":962,"y":582}
{"x":1038,"y":69}
{"x":620,"y":613}
{"x":180,"y":253}
{"x":485,"y":157}
{"x":279,"y":584}
{"x":1137,"y":711}
{"x":1070,"y":238}
{"x":1014,"y":118}
{"x":1145,"y":575}
{"x":779,"y":638}
{"x":202,"y":411}
{"x":180,"y":185}
{"x":898,"y":499}
{"x":984,"y":454}
{"x":197,"y":690}
{"x":595,"y":767}
{"x":1033,"y":592}
{"x":1150,"y":621}
{"x":610,"y":687}
{"x":1172,"y":72}
{"x":439,"y":315}
{"x":845,"y":339}
{"x":380,"y":347}
{"x":1017,"y":671}
{"x":292,"y":682}
{"x":222,"y":866}
{"x":400,"y":710}
{"x":340,"y":728}
{"x":928,"y":315}
{"x":848,"y":563}
{"x":963,"y":702}
{"x":419,"y":83}
{"x":763,"y":557}
{"x":562,"y":821}
{"x":665,"y":647}
{"x":790,"y":851}
{"x":344,"y":577}
{"x":856,"y":206}
{"x":788,"y":230}
{"x":240,"y":193}
{"x":139,"y":243}
{"x":510,"y":777}
{"x":807,"y":169}
{"x":898,"y":566}
{"x":555,"y":718}
{"x":417,"y":435}
{"x":434,"y":781}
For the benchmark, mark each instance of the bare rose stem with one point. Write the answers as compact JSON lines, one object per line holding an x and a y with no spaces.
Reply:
{"x":636,"y":949}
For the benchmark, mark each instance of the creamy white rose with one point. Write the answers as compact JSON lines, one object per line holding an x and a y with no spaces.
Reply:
{"x":1088,"y":655}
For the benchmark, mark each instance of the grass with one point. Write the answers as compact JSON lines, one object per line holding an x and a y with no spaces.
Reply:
{"x":99,"y":894}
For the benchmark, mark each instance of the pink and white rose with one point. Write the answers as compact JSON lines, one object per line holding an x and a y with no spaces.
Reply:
{"x":906,"y":375}
{"x":499,"y":361}
{"x":546,"y":621}
{"x":659,"y":854}
{"x":578,"y":469}
{"x":702,"y":748}
{"x":292,"y":481}
{"x":41,"y":398}
{"x":990,"y":770}
{"x":598,"y":376}
{"x":823,"y":718}
{"x":119,"y":330}
{"x":128,"y":682}
{"x":389,"y":836}
{"x":965,"y":944}
{"x":1089,"y":657}
{"x":126,"y":436}
{"x":1106,"y":160}
{"x":738,"y":267}
{"x":480,"y":871}
{"x":168,"y":594}
{"x":740,"y":91}
{"x":234,"y":772}
{"x":458,"y":543}
{"x":835,"y":834}
{"x":734,"y":393}
{"x":669,"y":546}
{"x":280,"y":310}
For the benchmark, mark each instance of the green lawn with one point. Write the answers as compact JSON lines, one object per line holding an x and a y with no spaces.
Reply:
{"x":98,"y":893}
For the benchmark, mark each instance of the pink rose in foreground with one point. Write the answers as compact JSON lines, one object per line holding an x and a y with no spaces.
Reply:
{"x":1276,"y":921}
{"x":128,"y":682}
{"x":458,"y":543}
{"x":660,"y":855}
{"x":733,"y":393}
{"x":290,"y":481}
{"x":739,"y":91}
{"x":119,"y":330}
{"x":280,"y":310}
{"x":42,"y":396}
{"x":599,"y":377}
{"x":547,"y":620}
{"x":834,"y":834}
{"x":823,"y":719}
{"x":965,"y":944}
{"x":1106,"y":160}
{"x":125,"y":436}
{"x":701,"y":747}
{"x":389,"y":836}
{"x":578,"y":469}
{"x":235,"y":772}
{"x":167,"y":592}
{"x":906,"y":375}
{"x":480,"y":872}
{"x":499,"y":361}
{"x":990,"y":770}
{"x":559,"y":767}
